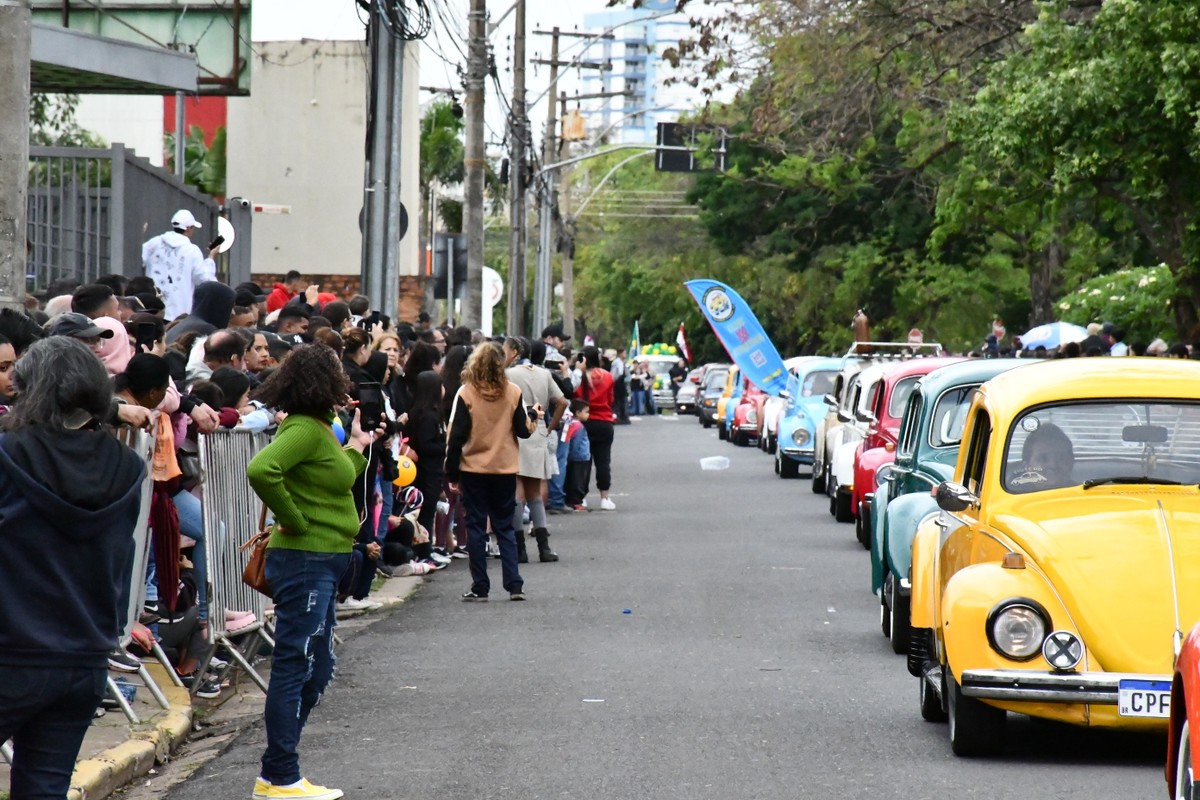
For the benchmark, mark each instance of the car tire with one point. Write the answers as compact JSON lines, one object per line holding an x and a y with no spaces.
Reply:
{"x":976,"y":729}
{"x":841,"y":506}
{"x":785,"y":467}
{"x":862,"y":526}
{"x":741,"y":439}
{"x":898,"y":611}
{"x":706,"y":422}
{"x":772,"y":444}
{"x":932,"y":709}
{"x":1183,"y":759}
{"x":818,"y":481}
{"x":722,"y":432}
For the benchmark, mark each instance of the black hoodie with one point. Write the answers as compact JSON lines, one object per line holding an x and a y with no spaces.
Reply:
{"x":212,"y":303}
{"x":70,"y":502}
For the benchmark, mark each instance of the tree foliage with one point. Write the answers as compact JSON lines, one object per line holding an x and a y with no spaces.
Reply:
{"x":941,"y":164}
{"x":203,"y":164}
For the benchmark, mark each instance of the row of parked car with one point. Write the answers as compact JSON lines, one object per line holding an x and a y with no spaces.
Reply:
{"x":1033,"y":526}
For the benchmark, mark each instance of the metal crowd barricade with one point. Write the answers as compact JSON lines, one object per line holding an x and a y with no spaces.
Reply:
{"x":231,"y":512}
{"x":142,"y":443}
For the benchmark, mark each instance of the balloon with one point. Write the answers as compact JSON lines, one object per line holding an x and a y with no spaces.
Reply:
{"x":407,"y":471}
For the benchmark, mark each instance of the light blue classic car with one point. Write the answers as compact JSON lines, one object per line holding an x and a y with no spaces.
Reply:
{"x":927,"y":447}
{"x":807,"y":387}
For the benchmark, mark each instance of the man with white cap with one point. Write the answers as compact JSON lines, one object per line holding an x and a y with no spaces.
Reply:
{"x":176,"y":264}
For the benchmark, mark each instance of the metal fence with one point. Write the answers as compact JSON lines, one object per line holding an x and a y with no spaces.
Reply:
{"x":90,"y":210}
{"x":231,"y":511}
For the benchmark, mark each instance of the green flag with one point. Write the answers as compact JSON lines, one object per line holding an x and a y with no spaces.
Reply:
{"x":635,"y":342}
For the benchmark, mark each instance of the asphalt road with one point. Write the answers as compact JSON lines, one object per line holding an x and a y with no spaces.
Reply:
{"x":751,"y":666}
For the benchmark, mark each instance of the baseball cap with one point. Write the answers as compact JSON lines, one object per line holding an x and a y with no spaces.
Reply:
{"x":184,"y":219}
{"x":555,"y":330}
{"x":77,"y":325}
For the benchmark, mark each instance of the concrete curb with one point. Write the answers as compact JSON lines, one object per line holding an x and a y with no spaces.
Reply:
{"x":98,"y":777}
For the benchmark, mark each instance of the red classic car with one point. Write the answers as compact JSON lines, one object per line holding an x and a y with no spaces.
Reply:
{"x":747,"y":415}
{"x":1183,"y":758}
{"x":878,"y":447}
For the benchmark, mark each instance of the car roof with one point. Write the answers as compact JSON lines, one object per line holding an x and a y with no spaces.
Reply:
{"x":824,"y":363}
{"x":1092,"y":378}
{"x":918,"y":366}
{"x":971,"y":371}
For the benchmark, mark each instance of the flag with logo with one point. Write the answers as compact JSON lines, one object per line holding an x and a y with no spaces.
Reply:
{"x":741,"y":334}
{"x":635,"y":341}
{"x":681,"y":341}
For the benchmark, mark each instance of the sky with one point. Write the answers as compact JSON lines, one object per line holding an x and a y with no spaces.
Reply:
{"x":337,"y":19}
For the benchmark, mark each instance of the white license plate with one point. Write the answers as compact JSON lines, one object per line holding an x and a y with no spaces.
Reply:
{"x":1136,"y":698}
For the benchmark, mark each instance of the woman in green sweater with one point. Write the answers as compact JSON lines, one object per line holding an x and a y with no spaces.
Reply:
{"x":304,"y":476}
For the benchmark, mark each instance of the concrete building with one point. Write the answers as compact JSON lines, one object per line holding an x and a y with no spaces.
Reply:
{"x":298,"y":141}
{"x":635,"y":51}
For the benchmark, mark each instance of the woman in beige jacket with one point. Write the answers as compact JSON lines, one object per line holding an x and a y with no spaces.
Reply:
{"x":482,"y":459}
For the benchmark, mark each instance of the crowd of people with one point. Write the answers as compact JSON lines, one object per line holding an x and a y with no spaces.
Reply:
{"x":395,"y":448}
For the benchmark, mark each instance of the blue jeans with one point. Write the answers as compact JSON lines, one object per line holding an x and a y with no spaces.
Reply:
{"x":46,"y":711}
{"x":305,"y":587}
{"x":494,"y":497}
{"x":556,"y":493}
{"x":191,"y":523}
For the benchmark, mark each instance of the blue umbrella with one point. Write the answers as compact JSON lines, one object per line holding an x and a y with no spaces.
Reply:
{"x":1052,"y":335}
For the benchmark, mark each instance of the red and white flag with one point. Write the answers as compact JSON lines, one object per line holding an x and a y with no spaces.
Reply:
{"x":681,"y":340}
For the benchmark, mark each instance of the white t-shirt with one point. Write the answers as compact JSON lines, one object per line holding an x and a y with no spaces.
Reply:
{"x":177,"y":266}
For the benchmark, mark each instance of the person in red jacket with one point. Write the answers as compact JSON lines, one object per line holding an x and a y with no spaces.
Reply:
{"x":292,"y":285}
{"x":596,"y":389}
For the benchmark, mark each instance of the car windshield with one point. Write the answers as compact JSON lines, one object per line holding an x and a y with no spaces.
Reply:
{"x":714,"y":381}
{"x":900,"y":394}
{"x":1096,"y":443}
{"x":950,"y":416}
{"x":818,"y":383}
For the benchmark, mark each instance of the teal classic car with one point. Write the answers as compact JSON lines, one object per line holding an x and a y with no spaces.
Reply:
{"x":927,"y":447}
{"x":805,"y":408}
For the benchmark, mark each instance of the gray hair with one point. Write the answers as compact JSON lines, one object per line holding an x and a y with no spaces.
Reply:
{"x":58,"y":381}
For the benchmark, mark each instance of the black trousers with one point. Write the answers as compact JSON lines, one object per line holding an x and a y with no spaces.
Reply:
{"x":600,"y":434}
{"x":575,"y":483}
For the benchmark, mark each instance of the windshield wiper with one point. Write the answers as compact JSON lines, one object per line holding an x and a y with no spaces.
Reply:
{"x":1130,"y":479}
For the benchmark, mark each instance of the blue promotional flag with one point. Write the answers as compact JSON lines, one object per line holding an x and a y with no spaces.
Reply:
{"x":742,"y":335}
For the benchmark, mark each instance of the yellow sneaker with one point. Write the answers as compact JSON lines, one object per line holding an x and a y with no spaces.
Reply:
{"x":264,"y":790}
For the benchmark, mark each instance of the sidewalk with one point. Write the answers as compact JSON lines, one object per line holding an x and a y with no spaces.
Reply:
{"x":116,"y":752}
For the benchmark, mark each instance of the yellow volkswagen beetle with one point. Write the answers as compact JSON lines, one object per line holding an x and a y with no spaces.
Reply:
{"x":1056,"y":577}
{"x":723,"y":404}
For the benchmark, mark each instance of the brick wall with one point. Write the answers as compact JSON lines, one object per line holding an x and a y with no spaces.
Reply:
{"x":412,"y":289}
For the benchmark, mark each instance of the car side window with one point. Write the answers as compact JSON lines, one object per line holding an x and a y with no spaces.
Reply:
{"x":981,"y":434}
{"x":908,"y":427}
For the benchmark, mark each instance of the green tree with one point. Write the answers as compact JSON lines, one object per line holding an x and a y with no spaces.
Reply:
{"x":203,"y":165}
{"x":442,"y":159}
{"x":1101,"y":110}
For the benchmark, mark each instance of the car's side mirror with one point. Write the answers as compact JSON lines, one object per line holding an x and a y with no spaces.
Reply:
{"x":785,"y":395}
{"x":843,"y":416}
{"x":830,"y":400}
{"x":885,"y":473}
{"x":954,"y":497}
{"x":865,"y":417}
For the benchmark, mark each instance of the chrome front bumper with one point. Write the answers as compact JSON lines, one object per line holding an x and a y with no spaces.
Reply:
{"x":1095,"y":688}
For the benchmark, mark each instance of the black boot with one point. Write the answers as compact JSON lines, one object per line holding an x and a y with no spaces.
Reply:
{"x":522,"y":553}
{"x":544,"y":551}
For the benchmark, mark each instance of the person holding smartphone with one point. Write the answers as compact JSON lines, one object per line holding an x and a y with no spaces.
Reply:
{"x":482,"y":460}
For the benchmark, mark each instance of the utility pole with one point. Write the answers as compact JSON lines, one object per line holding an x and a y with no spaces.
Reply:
{"x":477,"y":68}
{"x":16,"y":33}
{"x":375,"y":177}
{"x":544,"y":279}
{"x":518,"y":144}
{"x":568,"y":225}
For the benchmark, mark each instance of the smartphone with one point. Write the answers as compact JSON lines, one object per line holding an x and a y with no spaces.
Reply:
{"x":217,"y":242}
{"x":370,"y":405}
{"x":532,"y":412}
{"x":145,"y":335}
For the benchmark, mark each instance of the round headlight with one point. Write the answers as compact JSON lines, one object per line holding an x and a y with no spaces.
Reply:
{"x":800,"y":437}
{"x":751,"y":416}
{"x":1017,"y":631}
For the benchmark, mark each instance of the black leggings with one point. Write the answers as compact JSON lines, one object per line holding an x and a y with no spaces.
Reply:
{"x":600,"y":437}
